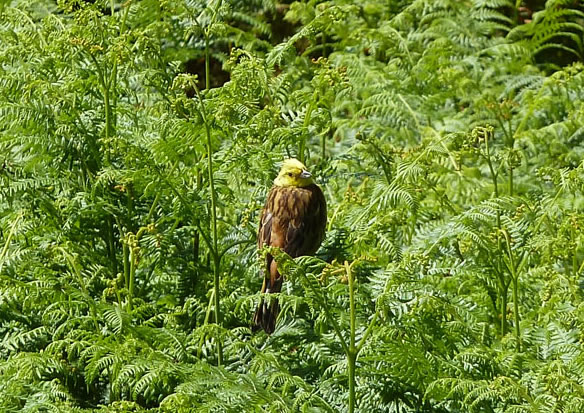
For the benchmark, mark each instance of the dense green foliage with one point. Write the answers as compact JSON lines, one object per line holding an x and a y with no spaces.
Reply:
{"x":138,"y":141}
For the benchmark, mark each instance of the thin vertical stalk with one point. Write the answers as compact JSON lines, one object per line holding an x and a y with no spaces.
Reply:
{"x":218,"y":320}
{"x":207,"y":64}
{"x":503,"y":309}
{"x":351,"y":349}
{"x":352,"y":353}
{"x":351,"y":359}
{"x":126,"y":254}
{"x":207,"y":53}
{"x":196,"y":236}
{"x":130,"y":206}
{"x":132,"y":277}
{"x":516,"y":311}
{"x":108,"y":121}
{"x":494,"y":174}
{"x":134,"y":251}
{"x":216,"y":259}
{"x":150,"y":216}
{"x":196,"y":251}
{"x":113,"y":81}
{"x":108,"y":115}
{"x":515,"y":280}
{"x":574,"y":257}
{"x":503,"y":284}
{"x":205,"y":322}
{"x":109,"y":86}
{"x":215,"y":251}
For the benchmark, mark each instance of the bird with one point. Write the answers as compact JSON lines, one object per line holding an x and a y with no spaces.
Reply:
{"x":294,"y":220}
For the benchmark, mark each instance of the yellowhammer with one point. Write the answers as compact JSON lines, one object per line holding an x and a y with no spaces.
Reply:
{"x":293,"y":219}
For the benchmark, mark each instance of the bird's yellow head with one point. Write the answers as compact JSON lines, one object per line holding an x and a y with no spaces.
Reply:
{"x":293,"y":173}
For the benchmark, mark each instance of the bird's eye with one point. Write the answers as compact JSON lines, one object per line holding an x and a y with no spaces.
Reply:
{"x":290,"y":174}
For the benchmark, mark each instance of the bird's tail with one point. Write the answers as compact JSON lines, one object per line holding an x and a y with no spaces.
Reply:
{"x":265,"y":315}
{"x":268,"y":308}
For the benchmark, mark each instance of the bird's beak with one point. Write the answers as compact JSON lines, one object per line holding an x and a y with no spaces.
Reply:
{"x":305,"y":174}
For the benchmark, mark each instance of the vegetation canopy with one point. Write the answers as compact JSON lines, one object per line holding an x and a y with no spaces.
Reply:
{"x":138,"y":143}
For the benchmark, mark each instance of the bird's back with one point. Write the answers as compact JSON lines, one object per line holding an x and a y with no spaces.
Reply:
{"x":293,"y":219}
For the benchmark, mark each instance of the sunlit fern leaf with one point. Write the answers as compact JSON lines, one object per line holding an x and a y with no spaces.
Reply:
{"x":552,"y":23}
{"x":116,"y":318}
{"x":485,"y":14}
{"x":25,"y":339}
{"x":493,"y":4}
{"x":519,"y":84}
{"x":390,"y":246}
{"x":280,"y":53}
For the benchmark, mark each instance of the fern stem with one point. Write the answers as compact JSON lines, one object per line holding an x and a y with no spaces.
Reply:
{"x":351,"y":360}
{"x":515,"y":280}
{"x":367,"y":333}
{"x":516,"y":311}
{"x":352,"y":351}
{"x":130,"y":206}
{"x":131,"y":279}
{"x":351,"y":280}
{"x":108,"y":120}
{"x":133,"y":247}
{"x":205,"y":322}
{"x":207,"y":53}
{"x":494,"y":174}
{"x":574,"y":257}
{"x":153,"y":207}
{"x":215,"y":252}
{"x":508,"y":137}
{"x":196,"y":235}
{"x":216,"y":256}
{"x":218,"y":320}
{"x":126,"y":254}
{"x":504,"y":286}
{"x":503,"y":309}
{"x":207,"y":66}
{"x":112,"y":86}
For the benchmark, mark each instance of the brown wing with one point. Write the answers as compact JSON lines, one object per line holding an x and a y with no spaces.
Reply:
{"x":272,"y":232}
{"x":307,"y":225}
{"x":293,"y":219}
